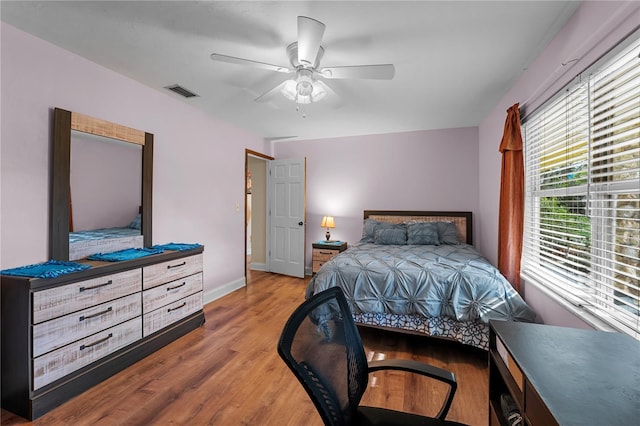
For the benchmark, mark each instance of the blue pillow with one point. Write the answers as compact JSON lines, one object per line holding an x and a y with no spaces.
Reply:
{"x":395,"y":236}
{"x":137,"y":222}
{"x":448,"y":233}
{"x":423,"y":233}
{"x":370,"y":226}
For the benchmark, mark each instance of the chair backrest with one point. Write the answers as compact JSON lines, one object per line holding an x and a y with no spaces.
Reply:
{"x":321,"y":345}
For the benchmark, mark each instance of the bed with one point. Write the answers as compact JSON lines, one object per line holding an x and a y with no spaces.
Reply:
{"x":106,"y":240}
{"x":418,"y":272}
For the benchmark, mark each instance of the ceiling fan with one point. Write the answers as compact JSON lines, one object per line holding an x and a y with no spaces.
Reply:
{"x":305,"y":56}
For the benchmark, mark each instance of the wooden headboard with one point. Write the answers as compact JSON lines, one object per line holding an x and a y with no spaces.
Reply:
{"x":463,"y":220}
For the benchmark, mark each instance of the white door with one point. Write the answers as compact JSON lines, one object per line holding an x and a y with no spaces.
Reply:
{"x":287,"y":216}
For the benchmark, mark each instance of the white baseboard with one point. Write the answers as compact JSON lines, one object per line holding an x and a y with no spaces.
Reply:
{"x":217,"y":293}
{"x":258,"y":266}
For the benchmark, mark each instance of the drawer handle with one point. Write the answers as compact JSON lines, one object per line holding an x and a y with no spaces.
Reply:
{"x":176,"y":266}
{"x":97,"y":342}
{"x":97,"y":314}
{"x":326,"y":252}
{"x":177,"y":286}
{"x":177,"y":307}
{"x":93,"y":287}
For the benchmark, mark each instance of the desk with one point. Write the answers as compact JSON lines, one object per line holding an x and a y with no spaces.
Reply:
{"x":564,"y":376}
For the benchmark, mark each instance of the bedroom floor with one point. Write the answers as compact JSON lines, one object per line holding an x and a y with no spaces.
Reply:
{"x":228,"y":372}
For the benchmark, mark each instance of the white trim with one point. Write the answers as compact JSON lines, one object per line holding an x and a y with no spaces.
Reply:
{"x":218,"y":292}
{"x":575,"y":309}
{"x":255,"y":266}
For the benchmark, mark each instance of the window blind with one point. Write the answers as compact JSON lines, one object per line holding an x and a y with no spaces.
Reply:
{"x":582,"y":186}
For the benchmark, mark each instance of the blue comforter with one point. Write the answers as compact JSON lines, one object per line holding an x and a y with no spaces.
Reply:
{"x":432,"y":281}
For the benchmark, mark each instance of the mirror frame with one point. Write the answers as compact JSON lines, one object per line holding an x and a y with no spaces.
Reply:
{"x":63,"y":123}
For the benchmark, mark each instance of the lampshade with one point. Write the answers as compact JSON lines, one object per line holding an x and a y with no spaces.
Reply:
{"x":328,"y":222}
{"x":304,"y":89}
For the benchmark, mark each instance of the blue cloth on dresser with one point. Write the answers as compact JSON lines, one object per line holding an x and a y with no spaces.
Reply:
{"x":177,"y":246}
{"x":127,"y":254}
{"x":49,"y":269}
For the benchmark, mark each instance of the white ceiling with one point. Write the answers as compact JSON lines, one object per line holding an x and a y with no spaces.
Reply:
{"x":454,"y":60}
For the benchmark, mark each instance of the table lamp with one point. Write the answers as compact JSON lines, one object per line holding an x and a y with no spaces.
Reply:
{"x":328,"y":222}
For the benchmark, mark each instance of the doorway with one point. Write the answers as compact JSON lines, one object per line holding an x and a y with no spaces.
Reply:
{"x":256,"y":166}
{"x":275,"y":217}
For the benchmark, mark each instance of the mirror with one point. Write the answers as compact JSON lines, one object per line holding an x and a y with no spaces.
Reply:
{"x":106,"y":182}
{"x":101,"y":187}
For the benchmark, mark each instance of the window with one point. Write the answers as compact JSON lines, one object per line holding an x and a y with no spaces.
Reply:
{"x":582,"y":186}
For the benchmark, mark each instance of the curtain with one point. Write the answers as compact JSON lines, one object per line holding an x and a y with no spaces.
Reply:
{"x":510,"y":216}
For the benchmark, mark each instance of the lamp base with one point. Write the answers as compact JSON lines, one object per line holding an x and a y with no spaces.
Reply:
{"x":328,"y":235}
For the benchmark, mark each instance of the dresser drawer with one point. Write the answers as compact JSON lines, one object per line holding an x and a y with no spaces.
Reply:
{"x":317,"y":265}
{"x":59,"y":301}
{"x":63,"y":361}
{"x":61,"y":331}
{"x":161,"y":295}
{"x":168,"y":314}
{"x":323,"y":255}
{"x":168,"y":271}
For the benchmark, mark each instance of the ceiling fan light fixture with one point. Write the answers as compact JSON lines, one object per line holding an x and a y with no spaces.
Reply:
{"x":318,"y":93}
{"x":305,"y":83}
{"x":304,"y":89}
{"x":289,"y":89}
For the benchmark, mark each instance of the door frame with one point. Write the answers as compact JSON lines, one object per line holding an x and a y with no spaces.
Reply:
{"x":249,"y":153}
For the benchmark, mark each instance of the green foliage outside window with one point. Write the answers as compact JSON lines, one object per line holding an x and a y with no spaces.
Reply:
{"x":565,"y":232}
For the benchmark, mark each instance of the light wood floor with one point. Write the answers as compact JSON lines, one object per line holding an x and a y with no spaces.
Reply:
{"x":228,"y":372}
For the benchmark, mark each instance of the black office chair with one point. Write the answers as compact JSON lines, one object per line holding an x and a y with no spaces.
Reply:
{"x":321,"y":345}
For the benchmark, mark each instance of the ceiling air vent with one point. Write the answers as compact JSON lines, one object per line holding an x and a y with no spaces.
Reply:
{"x":181,"y":91}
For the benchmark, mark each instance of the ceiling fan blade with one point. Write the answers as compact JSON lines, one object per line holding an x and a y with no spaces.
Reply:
{"x":233,"y":60}
{"x":374,"y":72}
{"x":271,"y":94}
{"x":310,"y":34}
{"x":332,"y":98}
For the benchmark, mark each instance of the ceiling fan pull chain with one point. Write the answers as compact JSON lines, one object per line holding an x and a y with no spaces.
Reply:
{"x":300,"y":109}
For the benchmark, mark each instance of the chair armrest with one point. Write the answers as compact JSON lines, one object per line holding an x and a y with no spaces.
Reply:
{"x":417,"y":367}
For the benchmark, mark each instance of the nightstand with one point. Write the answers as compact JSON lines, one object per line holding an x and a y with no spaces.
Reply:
{"x":323,"y":252}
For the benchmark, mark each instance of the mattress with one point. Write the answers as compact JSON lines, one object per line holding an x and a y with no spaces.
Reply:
{"x":85,"y":243}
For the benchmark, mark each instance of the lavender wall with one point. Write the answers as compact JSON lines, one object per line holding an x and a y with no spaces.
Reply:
{"x":190,"y":204}
{"x":594,"y":29}
{"x":427,"y":170}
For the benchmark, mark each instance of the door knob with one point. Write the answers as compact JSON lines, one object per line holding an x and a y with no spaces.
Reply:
{"x":301,"y":223}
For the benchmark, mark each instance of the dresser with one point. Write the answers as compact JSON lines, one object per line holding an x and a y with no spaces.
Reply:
{"x":563,"y":376}
{"x":61,"y":336}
